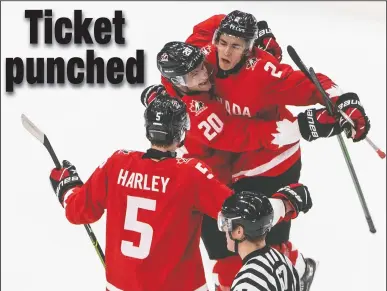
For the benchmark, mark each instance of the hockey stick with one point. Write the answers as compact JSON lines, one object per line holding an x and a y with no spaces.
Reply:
{"x":312,"y":76}
{"x":36,"y":132}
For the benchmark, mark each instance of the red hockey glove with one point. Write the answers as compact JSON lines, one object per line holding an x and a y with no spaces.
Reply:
{"x":299,"y":197}
{"x":317,"y":123}
{"x":64,"y":179}
{"x":150,"y":93}
{"x":267,"y":42}
{"x":350,"y":104}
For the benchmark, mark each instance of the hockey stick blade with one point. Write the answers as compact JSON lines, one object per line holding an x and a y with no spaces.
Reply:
{"x":312,"y":76}
{"x":297,"y":60}
{"x":40,"y":136}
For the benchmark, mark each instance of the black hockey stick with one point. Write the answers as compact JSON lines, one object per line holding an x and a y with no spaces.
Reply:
{"x":312,"y":76}
{"x":36,"y":132}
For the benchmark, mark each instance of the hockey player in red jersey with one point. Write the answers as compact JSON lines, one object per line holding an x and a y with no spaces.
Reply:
{"x":186,"y":75}
{"x":250,"y":82}
{"x":179,"y":64}
{"x":154,"y":203}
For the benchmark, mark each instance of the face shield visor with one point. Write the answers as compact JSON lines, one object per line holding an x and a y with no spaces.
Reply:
{"x":226,"y":224}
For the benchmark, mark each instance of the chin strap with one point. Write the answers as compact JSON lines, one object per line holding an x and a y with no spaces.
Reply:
{"x":237,"y":241}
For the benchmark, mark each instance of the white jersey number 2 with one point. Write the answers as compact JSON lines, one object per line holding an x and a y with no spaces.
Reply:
{"x":213,"y":123}
{"x":270,"y":67}
{"x":131,"y":223}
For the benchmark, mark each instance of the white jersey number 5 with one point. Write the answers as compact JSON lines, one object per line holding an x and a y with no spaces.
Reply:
{"x":131,"y":223}
{"x":213,"y":123}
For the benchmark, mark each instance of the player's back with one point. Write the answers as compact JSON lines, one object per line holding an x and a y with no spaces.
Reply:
{"x":153,"y":228}
{"x":266,"y":269}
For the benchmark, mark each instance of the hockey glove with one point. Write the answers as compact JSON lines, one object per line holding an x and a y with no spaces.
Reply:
{"x":317,"y":123}
{"x":299,"y":197}
{"x":350,"y":104}
{"x":150,"y":93}
{"x":267,"y":42}
{"x":64,"y":179}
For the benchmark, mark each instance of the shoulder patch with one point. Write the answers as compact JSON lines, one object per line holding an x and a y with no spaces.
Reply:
{"x":197,"y":107}
{"x":180,"y":161}
{"x":251,"y":63}
{"x":206,"y":50}
{"x":123,"y":152}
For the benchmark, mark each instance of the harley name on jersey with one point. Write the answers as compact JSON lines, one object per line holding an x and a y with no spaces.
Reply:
{"x":142,"y":181}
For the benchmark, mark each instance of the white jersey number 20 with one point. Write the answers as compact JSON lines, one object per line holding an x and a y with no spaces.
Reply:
{"x":213,"y":123}
{"x":131,"y":223}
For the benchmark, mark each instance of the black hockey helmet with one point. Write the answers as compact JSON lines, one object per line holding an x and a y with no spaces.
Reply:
{"x":253,"y":211}
{"x":166,"y":120}
{"x":176,"y":59}
{"x":239,"y":24}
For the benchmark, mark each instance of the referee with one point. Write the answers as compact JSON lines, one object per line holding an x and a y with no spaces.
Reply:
{"x":247,"y":217}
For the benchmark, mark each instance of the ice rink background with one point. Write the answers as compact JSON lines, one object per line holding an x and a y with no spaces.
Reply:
{"x":42,"y":251}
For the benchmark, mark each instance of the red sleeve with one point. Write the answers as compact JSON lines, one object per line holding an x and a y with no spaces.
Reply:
{"x":210,"y":192}
{"x":288,"y":87}
{"x":87,"y":204}
{"x":203,"y":32}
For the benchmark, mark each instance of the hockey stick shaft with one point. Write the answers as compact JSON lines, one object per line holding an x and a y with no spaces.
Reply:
{"x":297,"y":60}
{"x":312,"y":76}
{"x":36,"y":132}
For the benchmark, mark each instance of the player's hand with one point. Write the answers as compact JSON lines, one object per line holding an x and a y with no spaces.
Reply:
{"x":299,"y":197}
{"x":350,"y":104}
{"x":317,"y":123}
{"x":267,"y":42}
{"x":64,"y":179}
{"x":150,"y":93}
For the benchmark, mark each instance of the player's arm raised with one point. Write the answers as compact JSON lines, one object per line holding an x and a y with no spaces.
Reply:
{"x":83,"y":203}
{"x":203,"y":32}
{"x":285,"y":86}
{"x":288,"y":87}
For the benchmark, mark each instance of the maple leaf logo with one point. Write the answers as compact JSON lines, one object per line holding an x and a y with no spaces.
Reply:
{"x":334,"y":91}
{"x":288,"y":132}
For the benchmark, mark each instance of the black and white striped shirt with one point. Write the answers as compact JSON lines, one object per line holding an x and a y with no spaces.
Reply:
{"x":266,"y":270}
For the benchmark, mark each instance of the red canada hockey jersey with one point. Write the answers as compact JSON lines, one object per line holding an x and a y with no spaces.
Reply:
{"x":154,"y":214}
{"x":262,"y":88}
{"x":215,"y":135}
